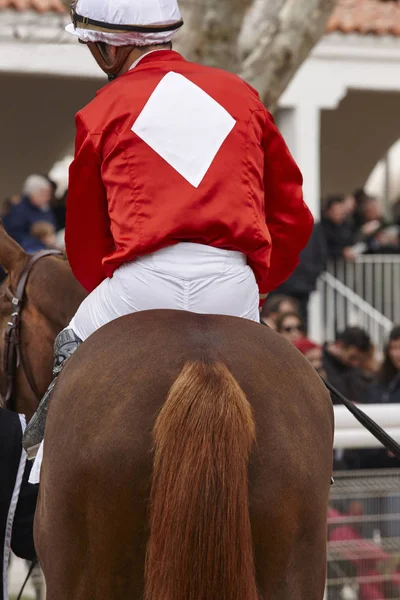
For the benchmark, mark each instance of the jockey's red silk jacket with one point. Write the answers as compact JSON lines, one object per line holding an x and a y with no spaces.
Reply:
{"x":172,"y":151}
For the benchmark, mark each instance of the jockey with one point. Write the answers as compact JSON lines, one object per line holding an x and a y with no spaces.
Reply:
{"x":182,"y":192}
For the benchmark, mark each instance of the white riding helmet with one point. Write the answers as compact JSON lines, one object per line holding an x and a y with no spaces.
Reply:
{"x":125,"y":22}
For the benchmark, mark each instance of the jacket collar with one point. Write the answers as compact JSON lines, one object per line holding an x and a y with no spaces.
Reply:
{"x":141,"y":58}
{"x":152,"y":58}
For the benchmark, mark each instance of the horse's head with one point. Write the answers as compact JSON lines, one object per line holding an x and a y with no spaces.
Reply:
{"x":50,"y":299}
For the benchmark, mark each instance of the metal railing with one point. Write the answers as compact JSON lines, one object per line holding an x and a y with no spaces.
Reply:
{"x":364,"y":536}
{"x":375,"y":278}
{"x":341,"y":306}
{"x":364,"y":515}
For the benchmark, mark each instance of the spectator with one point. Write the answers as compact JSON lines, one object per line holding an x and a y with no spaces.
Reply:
{"x":370,"y":365}
{"x":350,"y":206}
{"x":329,"y":239}
{"x":34,"y":206}
{"x":396,"y":212}
{"x":312,"y":352}
{"x":362,"y":199}
{"x":58,"y":206}
{"x":17,"y":498}
{"x":342,"y":360}
{"x":45,"y":233}
{"x":290,"y":326}
{"x":370,"y":217}
{"x":386,"y":387}
{"x":386,"y":240}
{"x":335,"y":224}
{"x":8,"y":203}
{"x":275,"y":305}
{"x":371,"y":213}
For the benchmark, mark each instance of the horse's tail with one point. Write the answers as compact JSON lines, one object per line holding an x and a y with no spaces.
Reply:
{"x":200,"y":545}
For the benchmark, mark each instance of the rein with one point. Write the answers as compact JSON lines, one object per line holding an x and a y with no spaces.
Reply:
{"x":13,"y":356}
{"x":376,"y":430}
{"x":369,"y":424}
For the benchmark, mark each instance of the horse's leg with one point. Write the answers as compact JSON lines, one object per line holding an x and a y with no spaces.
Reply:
{"x":289,"y":490}
{"x":291,"y":569}
{"x":90,"y":526}
{"x":290,"y":551}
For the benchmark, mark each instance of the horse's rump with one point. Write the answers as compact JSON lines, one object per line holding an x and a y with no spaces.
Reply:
{"x":190,"y":379}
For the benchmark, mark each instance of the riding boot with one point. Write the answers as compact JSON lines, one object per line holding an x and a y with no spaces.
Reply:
{"x":66,"y":343}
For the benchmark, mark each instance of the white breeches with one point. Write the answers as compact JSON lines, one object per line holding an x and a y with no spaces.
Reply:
{"x":187,"y":276}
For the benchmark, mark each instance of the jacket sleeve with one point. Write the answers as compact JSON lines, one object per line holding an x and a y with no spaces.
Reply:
{"x":88,"y":237}
{"x":289,"y":220}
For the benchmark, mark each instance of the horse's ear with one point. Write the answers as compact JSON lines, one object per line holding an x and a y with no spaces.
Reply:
{"x":11,"y":253}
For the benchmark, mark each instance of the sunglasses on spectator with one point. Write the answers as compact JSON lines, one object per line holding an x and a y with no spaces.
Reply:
{"x":291,"y":328}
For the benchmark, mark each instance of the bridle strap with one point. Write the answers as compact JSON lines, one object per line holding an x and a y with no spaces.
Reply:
{"x":109,"y":68}
{"x":13,"y":357}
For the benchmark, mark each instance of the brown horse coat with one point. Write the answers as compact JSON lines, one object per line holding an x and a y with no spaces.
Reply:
{"x":52,"y":298}
{"x":231,"y":517}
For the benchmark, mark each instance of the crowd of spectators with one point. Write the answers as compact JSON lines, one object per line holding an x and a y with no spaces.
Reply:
{"x":349,"y":363}
{"x":36,"y":217}
{"x":350,"y":225}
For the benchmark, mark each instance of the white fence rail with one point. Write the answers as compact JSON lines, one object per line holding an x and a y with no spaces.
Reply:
{"x":349,"y":433}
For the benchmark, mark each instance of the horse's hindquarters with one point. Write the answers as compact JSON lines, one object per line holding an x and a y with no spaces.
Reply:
{"x":92,"y":527}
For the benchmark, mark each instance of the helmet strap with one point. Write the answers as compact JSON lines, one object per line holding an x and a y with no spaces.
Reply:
{"x":112,"y":69}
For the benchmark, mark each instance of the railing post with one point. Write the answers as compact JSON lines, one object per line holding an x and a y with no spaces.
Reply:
{"x":315,"y":324}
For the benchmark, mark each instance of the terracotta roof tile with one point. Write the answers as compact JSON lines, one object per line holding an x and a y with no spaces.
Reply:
{"x":40,"y":6}
{"x":379,"y":17}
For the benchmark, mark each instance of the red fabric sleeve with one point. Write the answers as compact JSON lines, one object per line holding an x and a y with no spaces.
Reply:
{"x":88,"y":236}
{"x":288,"y":218}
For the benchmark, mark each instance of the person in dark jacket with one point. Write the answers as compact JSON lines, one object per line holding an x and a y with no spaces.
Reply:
{"x":34,"y":206}
{"x":385,"y":241}
{"x":328,"y":240}
{"x":342,"y":362}
{"x":385,"y":388}
{"x":18,"y":498}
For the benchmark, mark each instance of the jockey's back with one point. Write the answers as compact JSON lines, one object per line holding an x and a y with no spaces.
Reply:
{"x":182,"y":193}
{"x":173,"y":151}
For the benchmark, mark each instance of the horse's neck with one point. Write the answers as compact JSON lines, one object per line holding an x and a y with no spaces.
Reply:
{"x":56,"y":294}
{"x":52,"y":298}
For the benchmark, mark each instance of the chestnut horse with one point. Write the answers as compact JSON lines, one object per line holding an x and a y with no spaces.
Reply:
{"x":186,"y":457}
{"x":52,"y":298}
